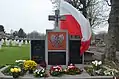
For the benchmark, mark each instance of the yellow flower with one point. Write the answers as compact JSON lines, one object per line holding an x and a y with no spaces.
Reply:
{"x":12,"y":70}
{"x":19,"y":70}
{"x":29,"y":64}
{"x":16,"y":70}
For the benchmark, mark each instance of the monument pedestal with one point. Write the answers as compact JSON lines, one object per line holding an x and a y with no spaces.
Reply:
{"x":56,"y":47}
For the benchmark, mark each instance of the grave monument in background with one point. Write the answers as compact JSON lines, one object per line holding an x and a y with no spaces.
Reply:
{"x":58,"y":48}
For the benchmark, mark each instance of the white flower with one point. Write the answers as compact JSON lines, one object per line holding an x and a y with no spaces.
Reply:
{"x":71,"y":64}
{"x":93,"y":62}
{"x":96,"y":63}
{"x":38,"y":72}
{"x":70,"y":67}
{"x":98,"y":71}
{"x":17,"y":61}
{"x":112,"y":73}
{"x":107,"y":72}
{"x":100,"y":62}
{"x":35,"y":71}
{"x":56,"y":69}
{"x":43,"y":70}
{"x":41,"y":75}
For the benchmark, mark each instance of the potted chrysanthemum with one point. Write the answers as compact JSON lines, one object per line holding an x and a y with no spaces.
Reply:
{"x":15,"y":72}
{"x":30,"y":65}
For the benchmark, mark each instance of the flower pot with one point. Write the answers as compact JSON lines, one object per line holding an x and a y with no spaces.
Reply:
{"x":15,"y":75}
{"x":30,"y":71}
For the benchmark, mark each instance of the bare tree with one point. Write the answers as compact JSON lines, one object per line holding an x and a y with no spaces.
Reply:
{"x":113,"y":31}
{"x":94,"y":10}
{"x":97,"y":13}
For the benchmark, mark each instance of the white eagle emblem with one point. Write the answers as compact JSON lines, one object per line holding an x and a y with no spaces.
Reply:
{"x":57,"y":40}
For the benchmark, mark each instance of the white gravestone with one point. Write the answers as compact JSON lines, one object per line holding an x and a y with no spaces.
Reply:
{"x":17,"y":42}
{"x":7,"y":42}
{"x":20,"y":43}
{"x":3,"y":41}
{"x":13,"y":42}
{"x":29,"y":42}
{"x":26,"y":42}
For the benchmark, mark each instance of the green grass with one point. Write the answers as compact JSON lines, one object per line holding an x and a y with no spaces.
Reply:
{"x":8,"y":55}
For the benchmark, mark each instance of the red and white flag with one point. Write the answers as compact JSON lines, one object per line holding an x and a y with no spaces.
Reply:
{"x":76,"y":24}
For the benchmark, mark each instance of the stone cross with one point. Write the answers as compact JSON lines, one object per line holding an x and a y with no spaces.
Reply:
{"x":56,"y":17}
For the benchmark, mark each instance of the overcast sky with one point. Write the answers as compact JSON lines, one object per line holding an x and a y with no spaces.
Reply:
{"x":31,"y":15}
{"x":27,"y":14}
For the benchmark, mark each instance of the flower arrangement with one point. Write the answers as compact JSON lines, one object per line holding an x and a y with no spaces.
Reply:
{"x":30,"y":65}
{"x":98,"y":69}
{"x":18,"y":61}
{"x":15,"y":72}
{"x":39,"y":72}
{"x":111,"y":72}
{"x":56,"y":71}
{"x":72,"y":70}
{"x":96,"y":64}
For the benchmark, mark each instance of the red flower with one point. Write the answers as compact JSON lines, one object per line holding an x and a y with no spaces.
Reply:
{"x":55,"y":68}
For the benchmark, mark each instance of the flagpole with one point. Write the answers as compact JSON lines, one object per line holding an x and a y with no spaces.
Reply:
{"x":59,"y":12}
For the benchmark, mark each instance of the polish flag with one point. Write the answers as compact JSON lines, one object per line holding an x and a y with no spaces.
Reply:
{"x":76,"y":24}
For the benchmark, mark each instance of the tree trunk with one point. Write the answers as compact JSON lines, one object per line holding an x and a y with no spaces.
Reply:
{"x":84,"y":8}
{"x":113,"y":31}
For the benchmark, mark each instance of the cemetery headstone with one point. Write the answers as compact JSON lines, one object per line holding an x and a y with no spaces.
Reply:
{"x":7,"y":42}
{"x":2,"y":41}
{"x":20,"y":43}
{"x":17,"y":42}
{"x":26,"y":42}
{"x":38,"y":50}
{"x":74,"y":50}
{"x":29,"y":42}
{"x":13,"y":42}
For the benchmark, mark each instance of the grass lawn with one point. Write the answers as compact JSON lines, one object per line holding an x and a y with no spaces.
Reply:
{"x":8,"y":55}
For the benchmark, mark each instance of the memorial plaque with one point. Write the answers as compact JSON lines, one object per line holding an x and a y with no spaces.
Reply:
{"x":74,"y":52}
{"x":57,"y":58}
{"x":38,"y":50}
